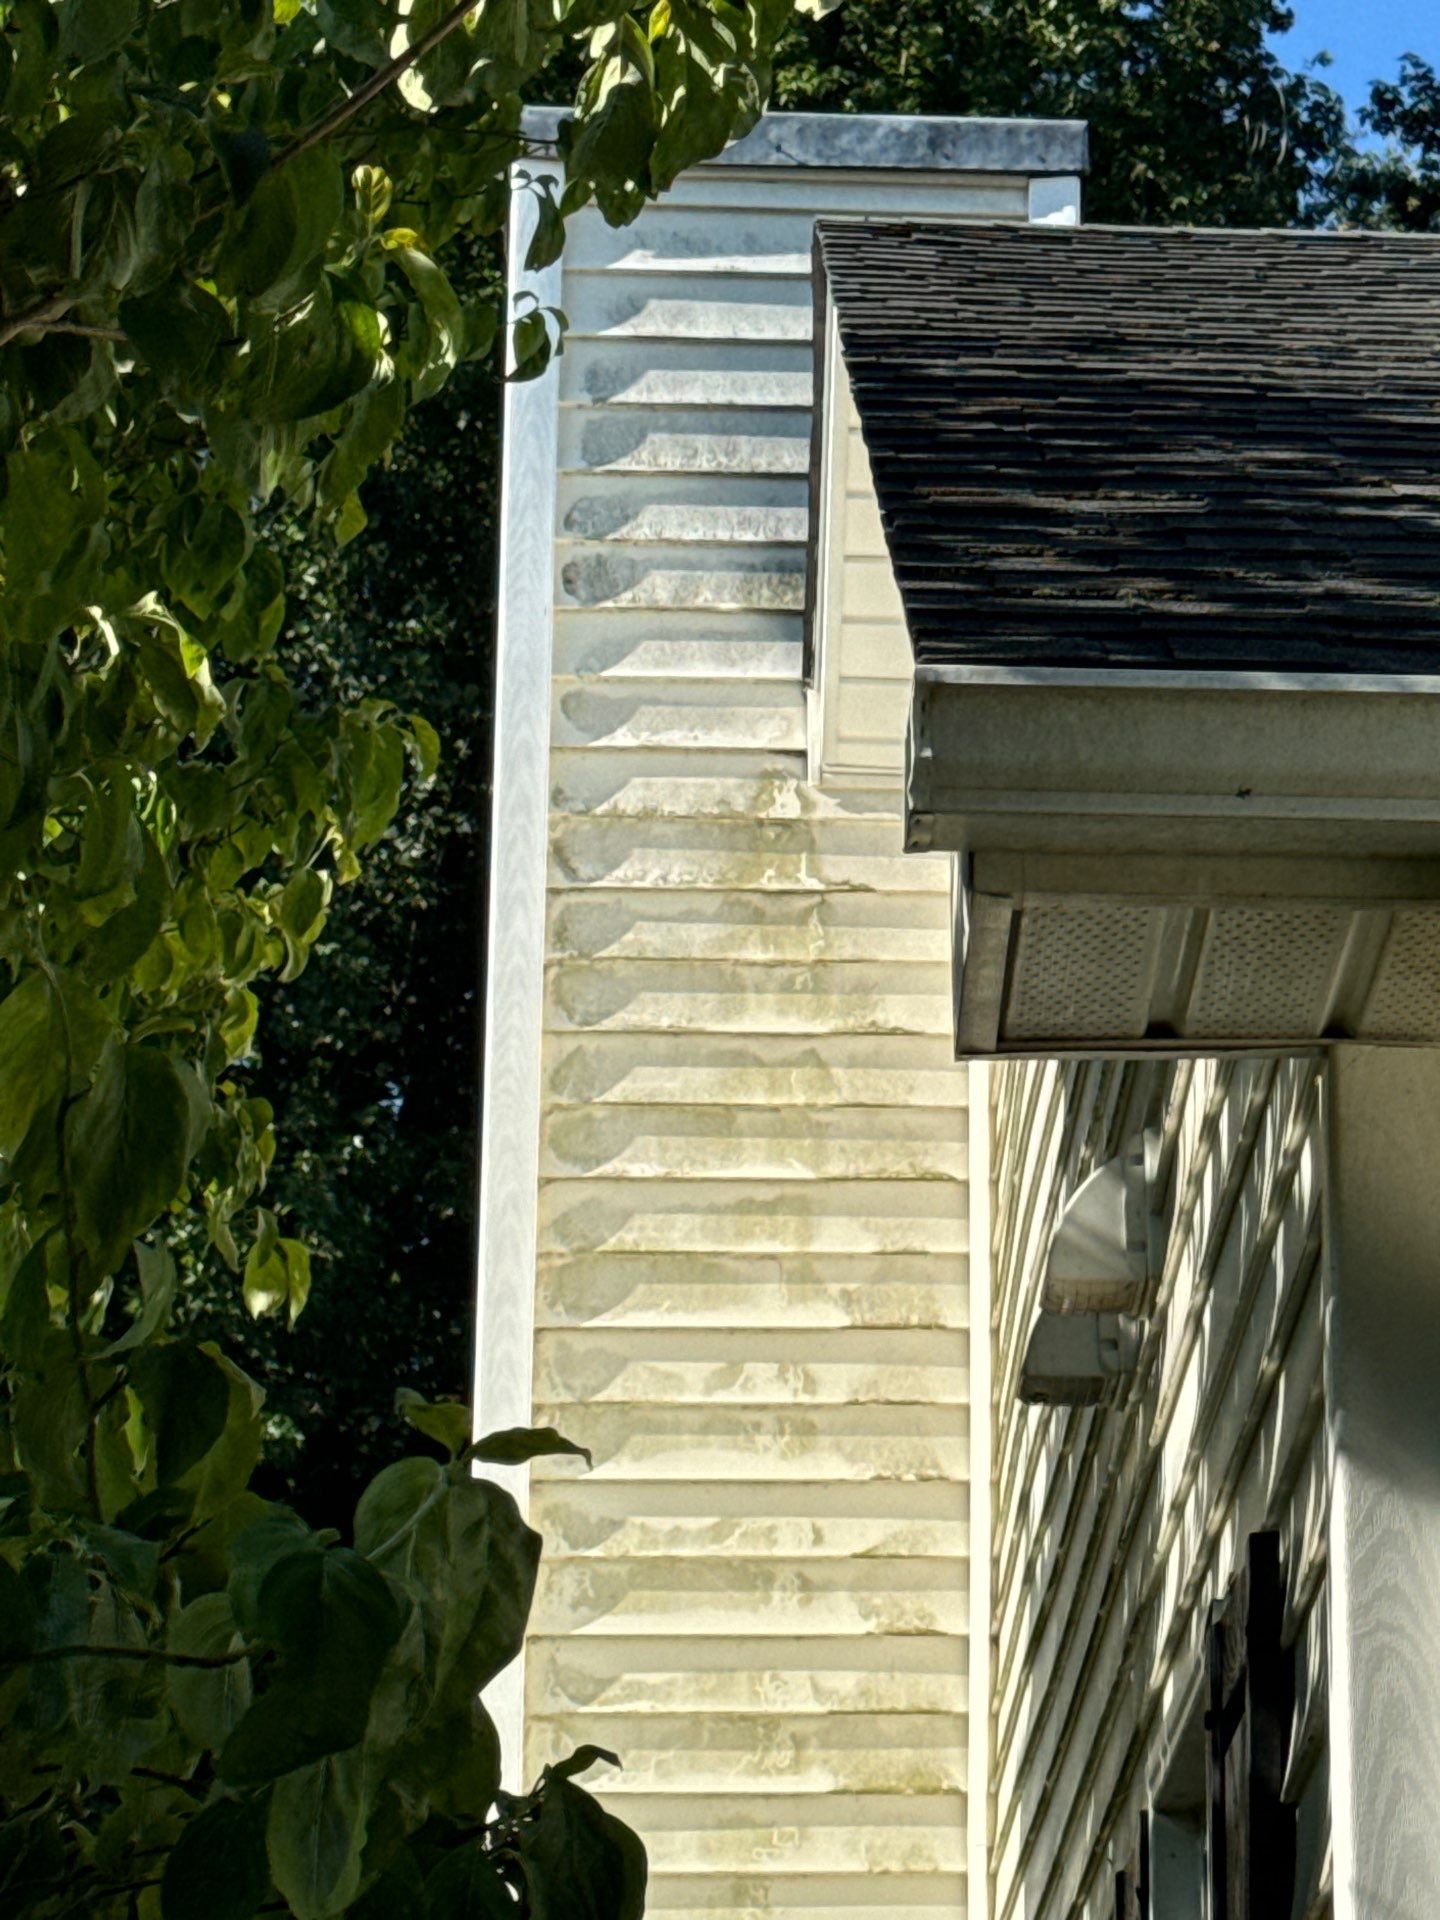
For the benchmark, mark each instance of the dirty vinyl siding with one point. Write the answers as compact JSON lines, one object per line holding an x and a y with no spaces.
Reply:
{"x":1115,"y":1530}
{"x":751,"y":1287}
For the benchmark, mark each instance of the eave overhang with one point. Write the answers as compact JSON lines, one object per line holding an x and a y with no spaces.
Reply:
{"x":1170,"y":568}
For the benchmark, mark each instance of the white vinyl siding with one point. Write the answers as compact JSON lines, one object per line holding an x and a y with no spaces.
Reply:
{"x":751,"y":1287}
{"x":1116,"y":1529}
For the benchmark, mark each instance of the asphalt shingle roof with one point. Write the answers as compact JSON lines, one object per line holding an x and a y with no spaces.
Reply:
{"x":1156,"y":447}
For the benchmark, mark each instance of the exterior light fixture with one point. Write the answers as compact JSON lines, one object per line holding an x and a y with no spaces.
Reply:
{"x":1085,"y":1342}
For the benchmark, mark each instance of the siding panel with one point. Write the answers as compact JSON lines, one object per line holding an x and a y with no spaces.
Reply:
{"x":751,"y":1296}
{"x":1115,"y":1530}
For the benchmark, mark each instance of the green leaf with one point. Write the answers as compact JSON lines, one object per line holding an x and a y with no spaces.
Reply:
{"x":547,"y":242}
{"x":360,"y":28}
{"x":314,"y":357}
{"x":609,"y":143}
{"x":111,"y":846}
{"x":469,"y":1550}
{"x":31,"y":1070}
{"x":205,"y":551}
{"x":186,"y":1400}
{"x":393,"y":1505}
{"x":301,"y":915}
{"x":445,"y":321}
{"x":426,"y":748}
{"x":255,"y":1551}
{"x":351,"y":521}
{"x":209,"y":1703}
{"x":530,"y":347}
{"x":466,"y":1886}
{"x":445,"y":1420}
{"x":332,"y":1619}
{"x":176,"y":329}
{"x":277,"y":240}
{"x":372,"y":186}
{"x":55,"y":539}
{"x":578,"y":1861}
{"x":371,"y":428}
{"x":316,"y":1835}
{"x":121,"y":940}
{"x":581,"y":1761}
{"x":128,"y":1141}
{"x":218,"y":1868}
{"x":17,"y":1615}
{"x":277,"y":1276}
{"x":221,"y":1474}
{"x":25,"y":1317}
{"x":158,"y":1279}
{"x":90,"y":30}
{"x":515,"y":1445}
{"x":250,"y":622}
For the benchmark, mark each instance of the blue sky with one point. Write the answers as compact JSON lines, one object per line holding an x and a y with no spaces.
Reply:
{"x":1367,"y":38}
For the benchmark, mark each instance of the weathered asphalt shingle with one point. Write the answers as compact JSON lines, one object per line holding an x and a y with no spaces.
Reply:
{"x":1161,"y":447}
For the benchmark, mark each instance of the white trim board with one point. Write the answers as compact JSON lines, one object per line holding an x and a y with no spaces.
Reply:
{"x":1174,"y":680}
{"x":979,"y":1782}
{"x":515,"y":935}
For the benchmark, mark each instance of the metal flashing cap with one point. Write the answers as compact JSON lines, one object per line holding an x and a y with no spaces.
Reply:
{"x":868,"y":142}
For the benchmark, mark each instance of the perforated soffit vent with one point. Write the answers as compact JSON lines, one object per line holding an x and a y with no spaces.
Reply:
{"x":1095,"y":956}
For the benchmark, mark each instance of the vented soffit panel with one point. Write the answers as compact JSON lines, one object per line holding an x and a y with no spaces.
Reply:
{"x":1087,"y":956}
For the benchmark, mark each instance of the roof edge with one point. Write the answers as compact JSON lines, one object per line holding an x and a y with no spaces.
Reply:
{"x":880,"y":142}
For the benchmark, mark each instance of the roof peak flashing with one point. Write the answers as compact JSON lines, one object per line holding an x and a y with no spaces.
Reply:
{"x":885,"y":142}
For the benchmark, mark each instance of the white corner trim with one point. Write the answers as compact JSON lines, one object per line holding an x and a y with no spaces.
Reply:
{"x":515,"y":936}
{"x":1382,"y":1413}
{"x":824,"y":551}
{"x":977,"y":1794}
{"x":1055,"y":200}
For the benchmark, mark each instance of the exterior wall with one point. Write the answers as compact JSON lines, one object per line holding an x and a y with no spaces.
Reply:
{"x":747,"y":1223}
{"x":1114,"y":1530}
{"x":750,"y":1296}
{"x":864,"y":672}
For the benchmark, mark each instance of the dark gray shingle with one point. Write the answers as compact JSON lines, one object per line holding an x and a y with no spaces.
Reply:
{"x":1158,"y":447}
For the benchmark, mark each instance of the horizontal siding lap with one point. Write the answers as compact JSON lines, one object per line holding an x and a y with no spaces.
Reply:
{"x":739,"y":441}
{"x":680,"y":1366}
{"x":705,"y":1444}
{"x":809,"y":1753}
{"x":766,"y":1890}
{"x":800,"y":1291}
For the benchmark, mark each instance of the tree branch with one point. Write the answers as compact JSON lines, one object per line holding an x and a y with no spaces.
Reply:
{"x":157,"y":1654}
{"x":347,"y":108}
{"x":36,"y":318}
{"x":86,"y":333}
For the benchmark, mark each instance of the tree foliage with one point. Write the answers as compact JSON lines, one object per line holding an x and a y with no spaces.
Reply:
{"x":223,"y":230}
{"x":1397,"y":183}
{"x":1193,"y":118}
{"x":370,"y":1056}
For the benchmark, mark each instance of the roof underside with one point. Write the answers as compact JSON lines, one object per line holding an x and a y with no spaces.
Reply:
{"x":1157,"y":448}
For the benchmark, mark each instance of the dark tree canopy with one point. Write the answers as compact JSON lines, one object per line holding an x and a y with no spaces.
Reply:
{"x":372,"y":1053}
{"x":1398,"y":183}
{"x":1192,"y":118}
